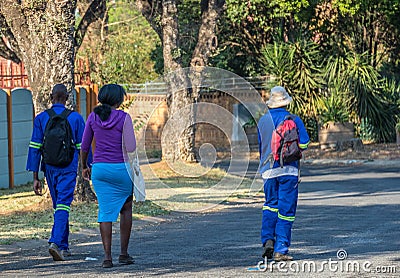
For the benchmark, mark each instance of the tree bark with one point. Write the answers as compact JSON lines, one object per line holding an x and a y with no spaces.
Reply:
{"x":83,"y":190}
{"x":207,"y":40}
{"x":175,"y":145}
{"x":42,"y":35}
{"x":178,"y":138}
{"x":95,"y":13}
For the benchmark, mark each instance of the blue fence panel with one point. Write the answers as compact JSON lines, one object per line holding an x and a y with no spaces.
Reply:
{"x":3,"y":141}
{"x":22,"y":115}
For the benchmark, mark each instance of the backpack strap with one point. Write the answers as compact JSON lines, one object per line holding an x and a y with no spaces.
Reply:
{"x":65,"y":113}
{"x":270,"y":159}
{"x":289,"y":117}
{"x":292,"y":117}
{"x":51,"y":112}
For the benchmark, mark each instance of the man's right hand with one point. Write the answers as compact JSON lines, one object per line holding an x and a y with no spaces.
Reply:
{"x":37,"y":187}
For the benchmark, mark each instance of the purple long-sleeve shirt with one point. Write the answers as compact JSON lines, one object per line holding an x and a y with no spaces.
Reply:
{"x":114,"y":137}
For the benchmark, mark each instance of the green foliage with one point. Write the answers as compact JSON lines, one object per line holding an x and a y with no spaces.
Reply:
{"x":249,"y":26}
{"x":125,"y":54}
{"x":298,"y":67}
{"x":276,"y":61}
{"x":349,"y":7}
{"x":154,"y":153}
{"x":338,"y":59}
{"x":141,"y":121}
{"x":339,"y":88}
{"x":311,"y":124}
{"x":129,"y":45}
{"x":126,"y":104}
{"x":370,"y":96}
{"x":334,"y":109}
{"x":261,"y":11}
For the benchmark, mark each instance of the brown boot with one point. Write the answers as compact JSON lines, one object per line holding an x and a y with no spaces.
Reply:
{"x":268,"y":249}
{"x":279,"y":257}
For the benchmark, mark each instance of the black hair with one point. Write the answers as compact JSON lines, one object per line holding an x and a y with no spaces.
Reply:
{"x":109,"y":95}
{"x":59,"y":92}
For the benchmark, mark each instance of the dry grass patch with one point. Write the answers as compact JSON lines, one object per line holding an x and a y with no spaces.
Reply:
{"x":191,"y":187}
{"x":23,"y":215}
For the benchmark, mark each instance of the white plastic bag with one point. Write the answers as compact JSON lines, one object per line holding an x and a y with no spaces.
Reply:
{"x":139,"y":187}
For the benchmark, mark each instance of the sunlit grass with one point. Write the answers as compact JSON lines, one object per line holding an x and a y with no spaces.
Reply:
{"x":23,"y":215}
{"x":20,"y":198}
{"x":25,"y":225}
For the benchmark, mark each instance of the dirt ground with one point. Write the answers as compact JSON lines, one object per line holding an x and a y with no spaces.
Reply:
{"x":369,"y":151}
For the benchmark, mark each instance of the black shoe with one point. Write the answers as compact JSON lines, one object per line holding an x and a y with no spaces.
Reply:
{"x":125,"y":259}
{"x":107,"y":264}
{"x":55,"y":252}
{"x":268,"y":249}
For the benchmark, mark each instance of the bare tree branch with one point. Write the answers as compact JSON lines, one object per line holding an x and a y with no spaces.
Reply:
{"x":152,"y":11}
{"x":7,"y":53}
{"x":6,"y":36}
{"x":96,"y":10}
{"x":8,"y":44}
{"x":121,"y":22}
{"x":207,"y":39}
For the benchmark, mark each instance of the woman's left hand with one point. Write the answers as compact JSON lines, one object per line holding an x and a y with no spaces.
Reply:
{"x":86,"y":173}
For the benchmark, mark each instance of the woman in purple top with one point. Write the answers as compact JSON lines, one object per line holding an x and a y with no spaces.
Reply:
{"x":114,"y":137}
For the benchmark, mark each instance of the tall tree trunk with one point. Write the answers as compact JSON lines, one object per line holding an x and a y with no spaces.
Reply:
{"x":42,"y":34}
{"x":178,"y":138}
{"x":45,"y":43}
{"x":94,"y":31}
{"x":176,"y":143}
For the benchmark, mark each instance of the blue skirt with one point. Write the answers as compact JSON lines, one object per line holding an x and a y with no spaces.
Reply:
{"x":113,"y":186}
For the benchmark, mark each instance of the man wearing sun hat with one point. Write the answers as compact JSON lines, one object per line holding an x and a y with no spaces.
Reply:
{"x":280,"y":183}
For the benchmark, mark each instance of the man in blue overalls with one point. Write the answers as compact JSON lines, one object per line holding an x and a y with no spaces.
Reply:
{"x":280,"y":183}
{"x":61,"y":180}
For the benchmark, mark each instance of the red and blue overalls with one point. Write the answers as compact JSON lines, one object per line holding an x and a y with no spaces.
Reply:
{"x":280,"y":183}
{"x":61,"y":181}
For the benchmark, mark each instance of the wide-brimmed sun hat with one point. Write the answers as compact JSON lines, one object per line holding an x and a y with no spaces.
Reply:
{"x":278,"y":98}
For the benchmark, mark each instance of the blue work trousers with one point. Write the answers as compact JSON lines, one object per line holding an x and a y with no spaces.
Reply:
{"x":61,"y":185}
{"x":279,"y":211}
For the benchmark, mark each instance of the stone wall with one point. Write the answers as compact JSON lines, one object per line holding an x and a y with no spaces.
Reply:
{"x":150,"y":113}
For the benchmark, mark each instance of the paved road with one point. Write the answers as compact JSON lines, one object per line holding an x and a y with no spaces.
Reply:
{"x":353,"y":209}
